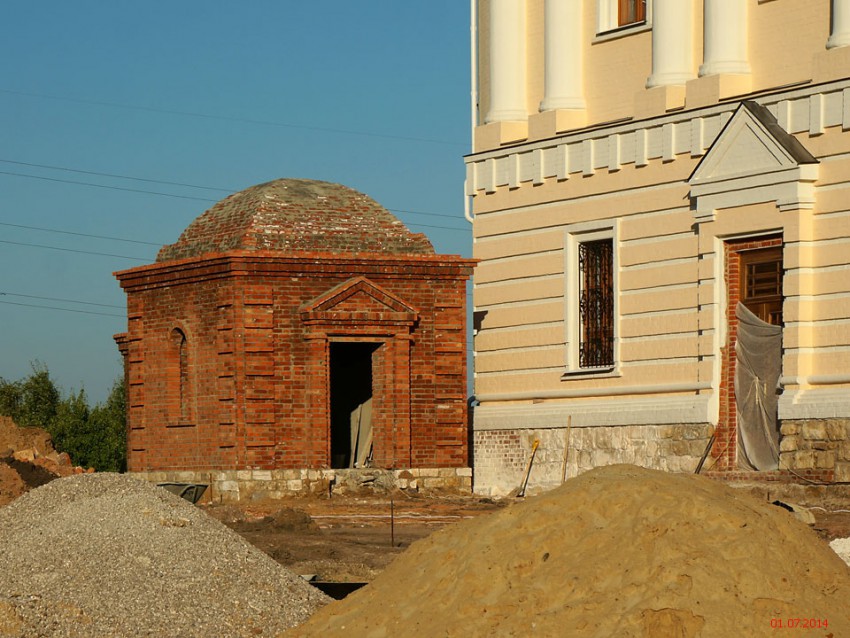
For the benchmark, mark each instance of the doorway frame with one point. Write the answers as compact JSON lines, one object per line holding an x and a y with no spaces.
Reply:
{"x":727,"y":426}
{"x":360,"y":311}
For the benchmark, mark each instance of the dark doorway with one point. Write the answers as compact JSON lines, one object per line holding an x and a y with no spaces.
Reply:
{"x":351,"y":403}
{"x":754,"y":280}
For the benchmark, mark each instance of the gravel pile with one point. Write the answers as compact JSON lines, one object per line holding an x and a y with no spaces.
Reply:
{"x":108,"y":555}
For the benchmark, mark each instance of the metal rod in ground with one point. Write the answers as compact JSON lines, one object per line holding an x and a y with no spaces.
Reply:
{"x":566,"y":447}
{"x":528,"y":468}
{"x":705,"y":454}
{"x":392,"y":523}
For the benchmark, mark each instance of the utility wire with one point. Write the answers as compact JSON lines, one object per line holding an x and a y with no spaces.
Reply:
{"x":114,"y":188}
{"x":224,"y":118}
{"x":85,"y":303}
{"x":84,"y":312}
{"x":419,"y":212}
{"x":72,"y":250}
{"x":200,"y":199}
{"x":130,"y":177}
{"x":167,"y":183}
{"x":69,"y":232}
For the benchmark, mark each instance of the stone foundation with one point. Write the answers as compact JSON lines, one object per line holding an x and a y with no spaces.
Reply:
{"x":230,"y":486}
{"x":501,"y":456}
{"x":817,"y":446}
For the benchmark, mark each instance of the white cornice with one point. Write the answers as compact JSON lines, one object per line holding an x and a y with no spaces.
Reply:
{"x":684,"y":134}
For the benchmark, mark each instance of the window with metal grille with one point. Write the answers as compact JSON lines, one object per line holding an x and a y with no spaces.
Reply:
{"x":596,"y":303}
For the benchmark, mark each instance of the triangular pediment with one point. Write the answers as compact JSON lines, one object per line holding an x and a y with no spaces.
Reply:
{"x":751,"y":143}
{"x":359,"y":298}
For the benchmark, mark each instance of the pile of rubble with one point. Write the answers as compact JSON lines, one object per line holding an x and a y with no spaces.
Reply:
{"x":108,"y":555}
{"x":27,"y":460}
{"x":617,"y":551}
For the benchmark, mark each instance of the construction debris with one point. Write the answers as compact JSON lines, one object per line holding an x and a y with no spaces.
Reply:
{"x":108,"y":555}
{"x":28,"y":460}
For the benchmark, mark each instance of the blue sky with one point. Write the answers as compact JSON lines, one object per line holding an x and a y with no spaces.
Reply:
{"x":216,"y":94}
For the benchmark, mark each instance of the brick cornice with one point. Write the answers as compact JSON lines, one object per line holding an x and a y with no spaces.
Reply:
{"x":122,"y":340}
{"x":243,"y":263}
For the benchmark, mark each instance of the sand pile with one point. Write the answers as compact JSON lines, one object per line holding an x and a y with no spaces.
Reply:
{"x":107,"y":555}
{"x":618,"y":551}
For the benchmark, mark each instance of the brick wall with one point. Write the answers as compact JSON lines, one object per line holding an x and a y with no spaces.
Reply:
{"x":253,"y":389}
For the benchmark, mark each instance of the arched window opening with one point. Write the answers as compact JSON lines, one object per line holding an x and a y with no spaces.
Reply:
{"x":180,"y":382}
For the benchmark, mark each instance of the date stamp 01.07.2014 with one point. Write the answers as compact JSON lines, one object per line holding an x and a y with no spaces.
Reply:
{"x":799,"y":623}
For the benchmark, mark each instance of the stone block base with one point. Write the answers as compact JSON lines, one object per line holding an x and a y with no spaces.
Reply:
{"x":501,"y":456}
{"x":231,"y":486}
{"x":819,"y":447}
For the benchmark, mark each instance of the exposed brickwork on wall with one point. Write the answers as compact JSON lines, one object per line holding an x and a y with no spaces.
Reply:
{"x":297,"y":215}
{"x":725,"y":447}
{"x":227,"y":350}
{"x":259,"y":361}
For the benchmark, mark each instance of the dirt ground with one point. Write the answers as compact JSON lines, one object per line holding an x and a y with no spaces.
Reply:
{"x":352,"y":539}
{"x":341,"y":539}
{"x":345,"y":538}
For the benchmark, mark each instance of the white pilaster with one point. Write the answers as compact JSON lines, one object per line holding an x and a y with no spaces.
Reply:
{"x":725,"y":37}
{"x":562,"y":51}
{"x":840,"y":35}
{"x":507,"y":61}
{"x":672,"y":42}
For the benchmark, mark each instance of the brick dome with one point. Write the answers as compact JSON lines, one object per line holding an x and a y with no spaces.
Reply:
{"x":297,"y":216}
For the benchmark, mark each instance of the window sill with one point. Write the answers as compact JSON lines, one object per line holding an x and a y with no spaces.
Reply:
{"x":621,"y":32}
{"x":588,"y":373}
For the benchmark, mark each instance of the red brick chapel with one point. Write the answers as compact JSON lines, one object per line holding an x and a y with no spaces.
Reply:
{"x":296,"y":324}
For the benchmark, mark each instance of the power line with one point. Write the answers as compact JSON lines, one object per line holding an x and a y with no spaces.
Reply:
{"x":69,"y":232}
{"x":224,"y":118}
{"x":167,"y":183}
{"x":84,"y":312}
{"x":85,"y":303}
{"x":164,"y":182}
{"x":130,"y":177}
{"x":72,"y":250}
{"x":419,"y":212}
{"x":200,"y":199}
{"x":412,"y":225}
{"x":114,"y":188}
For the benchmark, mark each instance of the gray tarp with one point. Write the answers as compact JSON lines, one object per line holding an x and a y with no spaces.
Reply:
{"x":759,"y":361}
{"x":361,"y":434}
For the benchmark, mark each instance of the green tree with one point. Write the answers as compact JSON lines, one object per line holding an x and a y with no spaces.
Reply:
{"x":69,"y":427}
{"x":108,"y":426}
{"x":31,"y":402}
{"x":92,"y":437}
{"x":10,"y":397}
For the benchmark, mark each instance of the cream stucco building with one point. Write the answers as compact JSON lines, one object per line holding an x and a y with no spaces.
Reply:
{"x":640,"y":168}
